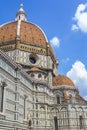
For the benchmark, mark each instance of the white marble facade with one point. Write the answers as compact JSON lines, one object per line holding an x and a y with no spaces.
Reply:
{"x":29,"y":104}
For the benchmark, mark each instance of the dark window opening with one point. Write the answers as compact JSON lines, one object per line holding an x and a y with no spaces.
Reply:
{"x":32,"y":60}
{"x":37,"y":122}
{"x":80,"y":122}
{"x":39,"y":76}
{"x":32,"y":75}
{"x":36,"y":106}
{"x":55,"y":123}
{"x":45,"y":76}
{"x":53,"y":66}
{"x":70,"y":97}
{"x":58,"y":100}
{"x":36,"y":100}
{"x":36,"y":87}
{"x":37,"y":115}
{"x":30,"y":123}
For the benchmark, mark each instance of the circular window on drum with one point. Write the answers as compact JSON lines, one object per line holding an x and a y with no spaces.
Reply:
{"x":33,"y":59}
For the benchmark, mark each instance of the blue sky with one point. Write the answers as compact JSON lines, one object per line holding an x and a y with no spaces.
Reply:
{"x":65,"y":25}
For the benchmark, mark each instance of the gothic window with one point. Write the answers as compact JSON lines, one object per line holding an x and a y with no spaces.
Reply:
{"x":63,"y":117}
{"x":1,"y":97}
{"x":73,"y":116}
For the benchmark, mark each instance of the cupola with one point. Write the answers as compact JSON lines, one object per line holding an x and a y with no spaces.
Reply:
{"x":21,"y":15}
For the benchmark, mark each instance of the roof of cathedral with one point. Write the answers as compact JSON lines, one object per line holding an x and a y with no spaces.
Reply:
{"x":61,"y":80}
{"x":26,"y":31}
{"x":24,"y":35}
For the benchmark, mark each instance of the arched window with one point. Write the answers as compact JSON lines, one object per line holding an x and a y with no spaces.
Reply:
{"x":63,"y":117}
{"x":73,"y":117}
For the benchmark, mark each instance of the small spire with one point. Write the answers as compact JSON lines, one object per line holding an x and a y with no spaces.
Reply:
{"x":21,"y":15}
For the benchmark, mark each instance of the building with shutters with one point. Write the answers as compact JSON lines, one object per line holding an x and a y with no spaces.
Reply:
{"x":33,"y":95}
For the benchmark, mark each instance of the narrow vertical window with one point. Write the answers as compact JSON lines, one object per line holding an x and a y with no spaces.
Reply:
{"x":70,"y":97}
{"x":58,"y":100}
{"x":55,"y":123}
{"x":80,"y":122}
{"x":1,"y":97}
{"x":19,"y":17}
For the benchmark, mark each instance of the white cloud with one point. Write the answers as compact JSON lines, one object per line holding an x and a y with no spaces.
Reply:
{"x":78,"y":74}
{"x":80,"y":18}
{"x":74,"y":27}
{"x":55,"y":42}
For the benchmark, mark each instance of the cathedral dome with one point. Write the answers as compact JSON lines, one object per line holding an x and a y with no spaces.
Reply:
{"x":61,"y":80}
{"x":27,"y":32}
{"x":24,"y":35}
